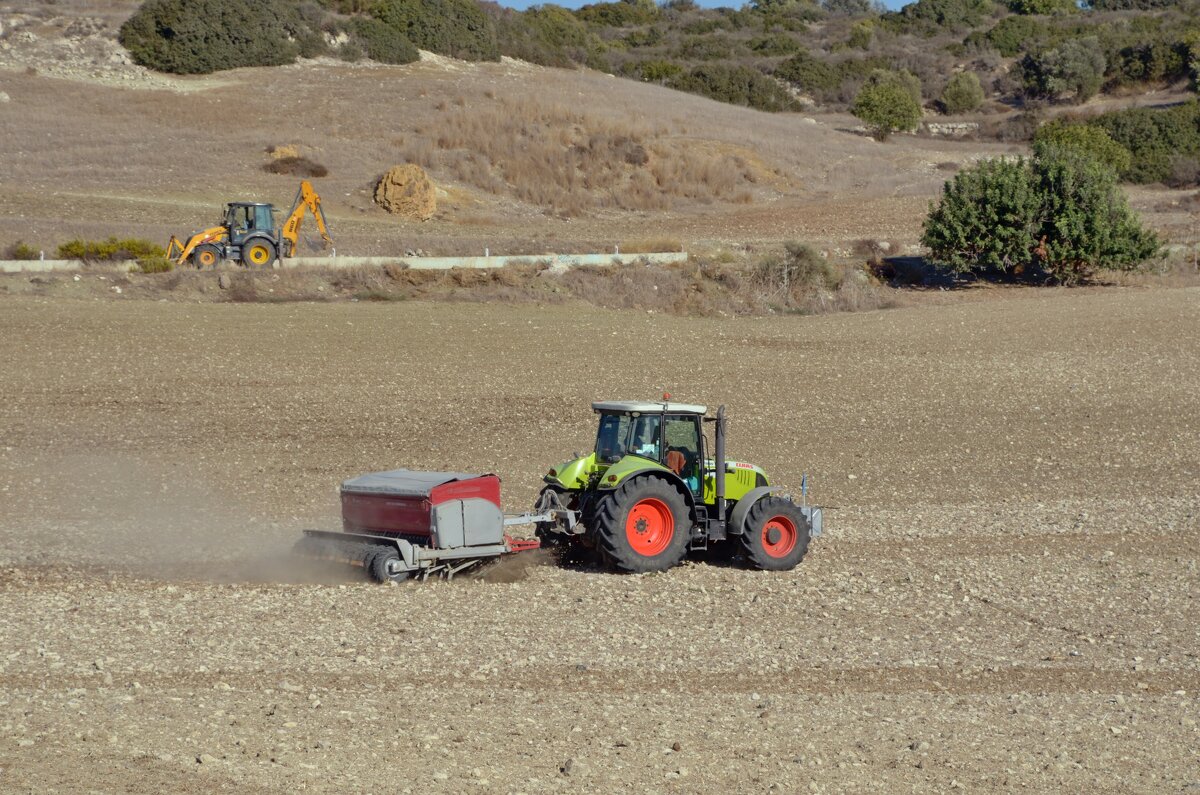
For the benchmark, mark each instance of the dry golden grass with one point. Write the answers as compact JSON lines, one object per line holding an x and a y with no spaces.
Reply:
{"x":570,"y":161}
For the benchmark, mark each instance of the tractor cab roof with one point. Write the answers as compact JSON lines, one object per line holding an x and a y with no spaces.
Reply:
{"x":249,"y":204}
{"x":647,"y":407}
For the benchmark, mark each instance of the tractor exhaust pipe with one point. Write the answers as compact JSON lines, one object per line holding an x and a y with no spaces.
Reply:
{"x":719,"y":475}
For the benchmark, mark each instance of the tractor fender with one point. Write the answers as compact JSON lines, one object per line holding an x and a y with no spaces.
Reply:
{"x":666,"y":475}
{"x":737,"y":517}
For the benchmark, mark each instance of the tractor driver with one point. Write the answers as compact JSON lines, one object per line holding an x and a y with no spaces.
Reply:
{"x":647,"y":437}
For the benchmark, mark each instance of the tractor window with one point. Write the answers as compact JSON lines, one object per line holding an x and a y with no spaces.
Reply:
{"x":262,"y":218}
{"x":239,"y":218}
{"x":682,"y":434}
{"x":626,"y":434}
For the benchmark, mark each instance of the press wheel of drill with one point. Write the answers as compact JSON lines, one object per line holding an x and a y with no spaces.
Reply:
{"x":258,"y":254}
{"x":643,"y":525}
{"x":777,"y":534}
{"x":386,"y":566}
{"x":206,"y":256}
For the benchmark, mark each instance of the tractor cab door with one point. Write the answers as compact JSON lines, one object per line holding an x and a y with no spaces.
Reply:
{"x":239,"y":219}
{"x":683,"y":454}
{"x":263,"y":220}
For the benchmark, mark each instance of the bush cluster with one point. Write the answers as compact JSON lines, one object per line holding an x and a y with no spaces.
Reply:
{"x":1073,"y":71}
{"x":889,"y":102}
{"x":1055,"y":218}
{"x":1155,"y":137}
{"x":21,"y":250}
{"x":1092,"y":141}
{"x":203,"y":36}
{"x":737,"y":85}
{"x":458,"y":28}
{"x":381,"y":42}
{"x":962,"y":93}
{"x":110,"y":250}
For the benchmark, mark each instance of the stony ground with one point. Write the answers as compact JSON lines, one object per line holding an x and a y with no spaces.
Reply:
{"x":1006,"y":596}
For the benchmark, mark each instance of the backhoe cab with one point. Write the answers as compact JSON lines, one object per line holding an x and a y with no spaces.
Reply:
{"x":248,"y":234}
{"x":654,"y":488}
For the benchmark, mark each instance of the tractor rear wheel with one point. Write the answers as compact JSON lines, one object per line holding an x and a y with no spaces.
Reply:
{"x":206,"y":256}
{"x":643,"y":525}
{"x":258,"y":254}
{"x":384,"y":566}
{"x":777,"y":534}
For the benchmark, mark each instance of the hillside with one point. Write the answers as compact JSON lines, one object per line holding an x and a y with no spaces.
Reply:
{"x":527,"y":158}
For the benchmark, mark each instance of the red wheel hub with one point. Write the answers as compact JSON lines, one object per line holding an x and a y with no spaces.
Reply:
{"x":779,"y":536}
{"x":649,"y":527}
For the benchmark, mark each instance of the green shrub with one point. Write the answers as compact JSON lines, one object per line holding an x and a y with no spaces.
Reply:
{"x":862,"y":33}
{"x":809,"y":74}
{"x":932,"y":16}
{"x":705,"y":48}
{"x":547,"y":35}
{"x":962,"y":93}
{"x":887,"y":106}
{"x":1150,"y":62}
{"x":1088,"y":223}
{"x":1042,"y":6}
{"x":1074,"y":70}
{"x":623,"y":14}
{"x":457,"y":28}
{"x":986,"y":220}
{"x":1153,"y":136}
{"x":1056,"y":217}
{"x":21,"y":250}
{"x":381,"y":42}
{"x":202,"y":36}
{"x":1012,"y":36}
{"x":1083,"y":138}
{"x":775,"y":44}
{"x":653,"y":71}
{"x":737,"y":85}
{"x":109,"y":250}
{"x":154,"y":264}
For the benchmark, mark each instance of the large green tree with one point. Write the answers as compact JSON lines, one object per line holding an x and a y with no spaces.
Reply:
{"x":1057,"y":217}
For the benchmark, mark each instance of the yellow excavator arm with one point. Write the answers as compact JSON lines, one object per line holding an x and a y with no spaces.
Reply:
{"x":306,"y":200}
{"x":210,"y":235}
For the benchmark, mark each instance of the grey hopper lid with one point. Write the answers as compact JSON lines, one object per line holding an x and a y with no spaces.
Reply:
{"x":402,"y":482}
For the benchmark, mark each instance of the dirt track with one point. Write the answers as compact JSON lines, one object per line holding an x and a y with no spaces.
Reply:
{"x":1006,"y":596}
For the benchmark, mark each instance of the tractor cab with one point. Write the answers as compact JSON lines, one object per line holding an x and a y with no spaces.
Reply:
{"x":244,"y":218}
{"x":667,"y":434}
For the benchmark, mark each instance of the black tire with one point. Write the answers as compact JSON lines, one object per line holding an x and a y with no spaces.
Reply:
{"x":206,"y":256}
{"x":259,"y":253}
{"x":381,"y":566}
{"x":777,"y":534}
{"x":648,"y":539}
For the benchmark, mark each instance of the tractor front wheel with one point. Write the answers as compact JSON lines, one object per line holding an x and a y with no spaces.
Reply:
{"x":258,"y":254}
{"x":206,"y":256}
{"x":777,"y":534}
{"x":643,"y":525}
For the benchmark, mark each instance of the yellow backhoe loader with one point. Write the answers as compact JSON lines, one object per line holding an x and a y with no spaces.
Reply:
{"x":248,"y":234}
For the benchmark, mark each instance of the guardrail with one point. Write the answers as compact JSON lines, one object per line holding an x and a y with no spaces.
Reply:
{"x":556,"y":262}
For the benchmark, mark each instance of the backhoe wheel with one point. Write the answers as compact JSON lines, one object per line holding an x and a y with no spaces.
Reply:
{"x":206,"y":256}
{"x":386,"y":566}
{"x":777,"y":534}
{"x":258,"y":254}
{"x":643,"y":525}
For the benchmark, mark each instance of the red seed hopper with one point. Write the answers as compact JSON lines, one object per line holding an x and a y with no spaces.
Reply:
{"x":407,"y":523}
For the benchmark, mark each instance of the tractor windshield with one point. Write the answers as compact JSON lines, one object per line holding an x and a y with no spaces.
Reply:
{"x":627,"y":434}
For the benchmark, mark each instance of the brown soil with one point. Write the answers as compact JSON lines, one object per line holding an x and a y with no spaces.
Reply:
{"x":1005,"y":597}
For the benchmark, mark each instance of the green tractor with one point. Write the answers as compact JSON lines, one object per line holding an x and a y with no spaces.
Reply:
{"x":653,"y":490}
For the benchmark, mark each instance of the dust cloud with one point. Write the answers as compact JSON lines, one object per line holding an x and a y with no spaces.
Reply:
{"x":124,"y":514}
